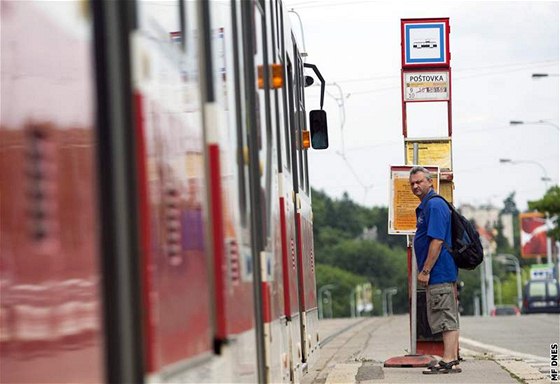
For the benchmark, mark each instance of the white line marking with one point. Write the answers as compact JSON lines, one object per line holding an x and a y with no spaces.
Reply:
{"x":500,"y":350}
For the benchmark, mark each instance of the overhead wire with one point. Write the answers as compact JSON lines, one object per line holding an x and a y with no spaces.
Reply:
{"x":455,"y":78}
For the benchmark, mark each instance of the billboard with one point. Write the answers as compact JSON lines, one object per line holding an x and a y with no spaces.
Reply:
{"x":533,"y":234}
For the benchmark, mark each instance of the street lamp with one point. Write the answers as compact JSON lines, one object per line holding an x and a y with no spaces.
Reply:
{"x":506,"y":258}
{"x":326,"y":288}
{"x":544,"y":122}
{"x":539,"y":75}
{"x":545,"y":178}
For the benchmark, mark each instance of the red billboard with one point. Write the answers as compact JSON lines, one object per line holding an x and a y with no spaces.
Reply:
{"x":533,"y":234}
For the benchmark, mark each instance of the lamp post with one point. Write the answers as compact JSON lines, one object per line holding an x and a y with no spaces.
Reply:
{"x":504,"y":258}
{"x":323,"y":288}
{"x":540,"y":75}
{"x":545,"y":178}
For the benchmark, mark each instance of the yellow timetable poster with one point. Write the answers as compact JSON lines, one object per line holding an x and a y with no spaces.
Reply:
{"x":402,"y":207}
{"x":430,"y":151}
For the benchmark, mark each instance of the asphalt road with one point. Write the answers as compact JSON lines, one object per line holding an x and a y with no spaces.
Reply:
{"x":527,"y":334}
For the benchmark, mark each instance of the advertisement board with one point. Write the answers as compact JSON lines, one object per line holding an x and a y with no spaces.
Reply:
{"x":533,"y":234}
{"x":402,"y":202}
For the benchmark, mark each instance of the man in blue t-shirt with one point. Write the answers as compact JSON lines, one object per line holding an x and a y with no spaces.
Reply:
{"x":438,"y":271}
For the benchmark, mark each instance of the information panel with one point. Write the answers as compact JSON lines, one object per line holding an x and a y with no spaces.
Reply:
{"x":403,"y":203}
{"x":426,"y":86}
{"x":435,"y":151}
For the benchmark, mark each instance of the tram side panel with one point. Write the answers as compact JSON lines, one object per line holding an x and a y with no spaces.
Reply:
{"x":50,"y":316}
{"x":170,"y":155}
{"x":278,"y":328}
{"x":308,"y":300}
{"x":288,"y":222}
{"x":303,"y":215}
{"x":226,"y":138}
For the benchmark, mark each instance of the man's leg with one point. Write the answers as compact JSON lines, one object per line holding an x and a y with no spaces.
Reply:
{"x":450,"y":345}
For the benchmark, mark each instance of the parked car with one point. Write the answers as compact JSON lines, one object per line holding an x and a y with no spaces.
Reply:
{"x":505,"y":310}
{"x":541,"y":296}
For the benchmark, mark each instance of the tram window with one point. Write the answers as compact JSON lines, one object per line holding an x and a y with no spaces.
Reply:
{"x":286,"y":97}
{"x":263,"y":123}
{"x":300,"y":113}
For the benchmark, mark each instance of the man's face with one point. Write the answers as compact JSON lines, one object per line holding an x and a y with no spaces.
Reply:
{"x":420,"y":185}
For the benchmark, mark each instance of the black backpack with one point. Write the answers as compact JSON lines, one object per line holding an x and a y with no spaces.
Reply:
{"x":466,"y":247}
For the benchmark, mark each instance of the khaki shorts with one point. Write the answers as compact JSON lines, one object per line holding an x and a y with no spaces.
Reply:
{"x":441,"y":303}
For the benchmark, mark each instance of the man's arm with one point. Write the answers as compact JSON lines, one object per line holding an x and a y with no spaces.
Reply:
{"x":433,"y":254}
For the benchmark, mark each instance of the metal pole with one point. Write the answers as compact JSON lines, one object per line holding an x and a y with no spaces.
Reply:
{"x":476,"y":305}
{"x":353,"y":303}
{"x":329,"y":295}
{"x":384,"y":298}
{"x":483,"y":289}
{"x":413,"y":278}
{"x":499,"y":288}
{"x":320,"y":297}
{"x":548,"y":241}
{"x":413,"y":296}
{"x":320,"y":302}
{"x":519,"y":294}
{"x":489,"y":283}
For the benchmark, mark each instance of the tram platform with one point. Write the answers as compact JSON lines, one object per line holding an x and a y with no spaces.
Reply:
{"x":353,"y":350}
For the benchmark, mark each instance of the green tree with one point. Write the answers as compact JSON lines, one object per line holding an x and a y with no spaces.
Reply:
{"x":343,"y":282}
{"x":383,"y":266}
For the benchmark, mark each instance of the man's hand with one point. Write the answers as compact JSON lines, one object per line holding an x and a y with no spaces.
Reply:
{"x":423,"y":279}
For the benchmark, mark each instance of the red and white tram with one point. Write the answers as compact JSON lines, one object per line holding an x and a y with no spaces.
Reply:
{"x":156,"y":220}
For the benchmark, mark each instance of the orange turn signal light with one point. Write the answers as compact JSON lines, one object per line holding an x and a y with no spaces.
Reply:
{"x":305,"y":139}
{"x":276,"y":76}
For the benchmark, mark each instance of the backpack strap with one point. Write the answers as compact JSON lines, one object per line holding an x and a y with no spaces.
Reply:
{"x":452,"y":208}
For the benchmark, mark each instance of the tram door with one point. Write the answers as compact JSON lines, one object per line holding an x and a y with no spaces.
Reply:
{"x":171,"y":173}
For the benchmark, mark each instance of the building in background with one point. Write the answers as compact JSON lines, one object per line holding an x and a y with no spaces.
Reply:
{"x":487,"y":217}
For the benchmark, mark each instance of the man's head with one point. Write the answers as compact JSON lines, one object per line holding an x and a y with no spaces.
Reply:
{"x":420,"y":181}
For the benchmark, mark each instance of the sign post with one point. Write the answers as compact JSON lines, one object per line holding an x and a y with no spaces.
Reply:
{"x":426,"y":78}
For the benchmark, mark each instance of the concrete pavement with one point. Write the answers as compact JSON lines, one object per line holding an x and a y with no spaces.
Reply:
{"x":356,"y":355}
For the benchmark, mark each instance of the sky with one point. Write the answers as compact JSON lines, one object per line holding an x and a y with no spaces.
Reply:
{"x":495,"y":46}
